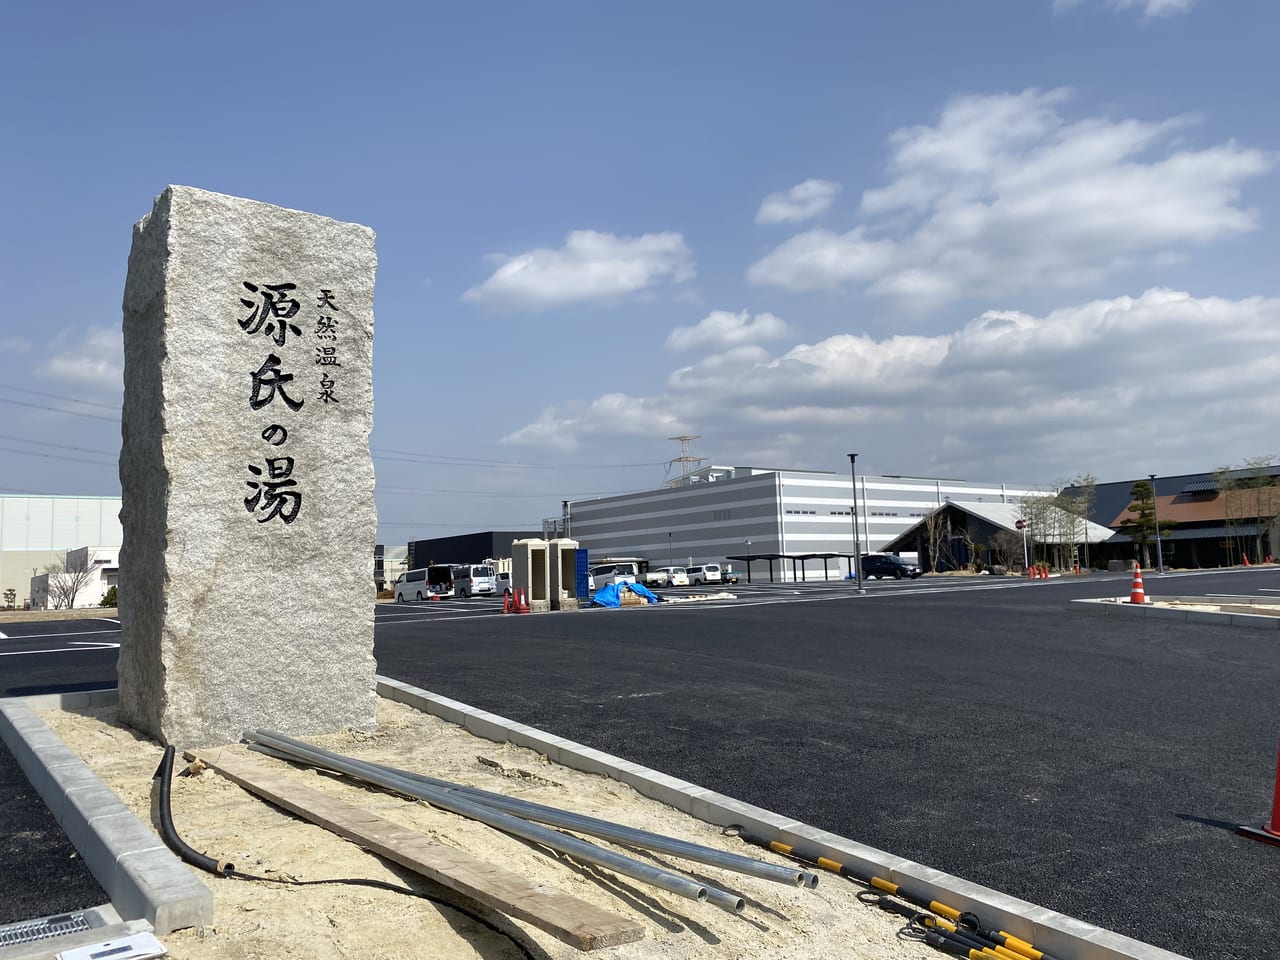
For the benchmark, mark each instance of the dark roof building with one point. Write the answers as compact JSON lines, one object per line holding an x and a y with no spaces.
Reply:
{"x":466,"y":548}
{"x":1204,"y":520}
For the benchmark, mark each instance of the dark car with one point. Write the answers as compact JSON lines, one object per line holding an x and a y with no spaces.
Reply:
{"x":880,"y":565}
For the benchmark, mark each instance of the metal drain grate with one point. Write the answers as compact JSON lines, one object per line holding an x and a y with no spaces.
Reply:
{"x":30,"y":931}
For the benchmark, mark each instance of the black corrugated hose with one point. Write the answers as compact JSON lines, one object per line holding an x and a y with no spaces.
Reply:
{"x":223,"y":868}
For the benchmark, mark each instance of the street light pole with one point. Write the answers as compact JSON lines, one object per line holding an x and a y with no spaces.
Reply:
{"x":1155,"y":518}
{"x":670,"y":556}
{"x":748,"y":561}
{"x":857,"y":543}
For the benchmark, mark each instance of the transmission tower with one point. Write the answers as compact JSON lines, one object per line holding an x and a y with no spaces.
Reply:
{"x":687,"y":462}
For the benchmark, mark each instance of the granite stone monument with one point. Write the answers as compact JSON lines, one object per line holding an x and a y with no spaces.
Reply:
{"x":246,"y":572}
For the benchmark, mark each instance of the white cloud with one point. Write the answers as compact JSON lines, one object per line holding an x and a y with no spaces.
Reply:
{"x":613,"y":415}
{"x":1115,"y":387}
{"x":91,"y":360}
{"x":819,"y":259}
{"x":1150,"y":8}
{"x":590,"y":267}
{"x":1004,"y":194}
{"x":804,"y":201}
{"x":721,"y":329}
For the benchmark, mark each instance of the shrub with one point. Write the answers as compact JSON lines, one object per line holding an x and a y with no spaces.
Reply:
{"x":109,"y":598}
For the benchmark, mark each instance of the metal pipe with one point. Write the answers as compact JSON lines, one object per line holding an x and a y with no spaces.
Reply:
{"x":607,"y":830}
{"x":447,"y":800}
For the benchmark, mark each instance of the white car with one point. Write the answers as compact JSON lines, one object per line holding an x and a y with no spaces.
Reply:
{"x":705,"y":573}
{"x":676,"y":576}
{"x":608,"y":573}
{"x":655,"y":577}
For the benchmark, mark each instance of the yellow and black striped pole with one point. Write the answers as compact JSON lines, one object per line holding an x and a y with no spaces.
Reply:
{"x":1002,"y":944}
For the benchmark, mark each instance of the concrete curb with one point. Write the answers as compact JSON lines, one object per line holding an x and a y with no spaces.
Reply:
{"x":1051,"y":932}
{"x":143,"y":878}
{"x":1252,"y":621}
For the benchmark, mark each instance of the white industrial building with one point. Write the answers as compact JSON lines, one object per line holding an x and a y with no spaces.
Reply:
{"x":802,"y":520}
{"x":86,"y":576}
{"x":38,"y":531}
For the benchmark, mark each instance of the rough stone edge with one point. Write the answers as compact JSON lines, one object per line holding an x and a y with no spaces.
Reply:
{"x":1252,"y":621}
{"x":143,"y":878}
{"x":1050,"y":931}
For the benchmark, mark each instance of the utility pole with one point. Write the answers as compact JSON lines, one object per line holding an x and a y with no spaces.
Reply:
{"x":857,"y":543}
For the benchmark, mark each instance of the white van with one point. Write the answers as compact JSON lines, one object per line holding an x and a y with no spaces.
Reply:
{"x":704,"y":573}
{"x":608,"y":573}
{"x":411,"y":585}
{"x":474,"y":580}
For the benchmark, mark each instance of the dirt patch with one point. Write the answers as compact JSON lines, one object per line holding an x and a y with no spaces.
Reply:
{"x":80,"y":613}
{"x":1255,"y":609}
{"x":271,"y":920}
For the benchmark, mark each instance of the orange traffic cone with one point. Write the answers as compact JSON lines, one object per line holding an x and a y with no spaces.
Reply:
{"x":1137,"y":594}
{"x":508,"y":604}
{"x":522,"y":605}
{"x":1270,"y":831}
{"x":1246,"y":560}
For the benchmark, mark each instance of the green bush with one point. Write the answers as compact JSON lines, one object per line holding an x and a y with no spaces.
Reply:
{"x":108,"y":599}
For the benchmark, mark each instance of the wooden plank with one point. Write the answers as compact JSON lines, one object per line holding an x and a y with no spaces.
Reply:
{"x":565,"y":917}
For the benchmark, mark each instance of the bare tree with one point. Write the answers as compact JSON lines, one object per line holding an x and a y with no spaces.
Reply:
{"x":67,"y":577}
{"x":1258,"y":484}
{"x":1042,"y":521}
{"x":1086,"y":487}
{"x":1225,"y":480}
{"x":1007,"y":548}
{"x":935,"y":532}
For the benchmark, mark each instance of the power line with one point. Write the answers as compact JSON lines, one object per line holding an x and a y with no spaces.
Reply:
{"x":54,"y":456}
{"x":70,"y":413}
{"x":444,"y":460}
{"x":60,"y":446}
{"x":58,"y":396}
{"x":554,"y":494}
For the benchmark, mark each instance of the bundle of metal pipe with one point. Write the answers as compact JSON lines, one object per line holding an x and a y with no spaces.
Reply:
{"x":592,"y":826}
{"x":453,"y":798}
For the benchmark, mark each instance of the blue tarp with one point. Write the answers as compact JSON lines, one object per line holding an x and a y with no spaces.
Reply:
{"x":611,"y":595}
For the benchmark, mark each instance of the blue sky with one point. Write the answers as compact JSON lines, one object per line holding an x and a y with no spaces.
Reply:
{"x":1012,"y":240}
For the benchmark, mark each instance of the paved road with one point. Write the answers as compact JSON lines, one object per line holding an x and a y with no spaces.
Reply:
{"x":988,"y":728}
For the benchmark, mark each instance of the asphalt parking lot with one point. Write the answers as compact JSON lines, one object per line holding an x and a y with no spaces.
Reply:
{"x":992,"y":729}
{"x":1090,"y":764}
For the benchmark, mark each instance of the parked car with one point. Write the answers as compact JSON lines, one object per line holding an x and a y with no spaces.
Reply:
{"x":656,"y":577}
{"x":729,"y":575}
{"x":424,"y":583}
{"x":608,"y":573}
{"x":676,"y":576}
{"x":881,"y":565}
{"x":704,"y":573}
{"x":474,"y":579}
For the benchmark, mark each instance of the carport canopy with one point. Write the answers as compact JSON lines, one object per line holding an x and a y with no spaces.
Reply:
{"x":793,"y":557}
